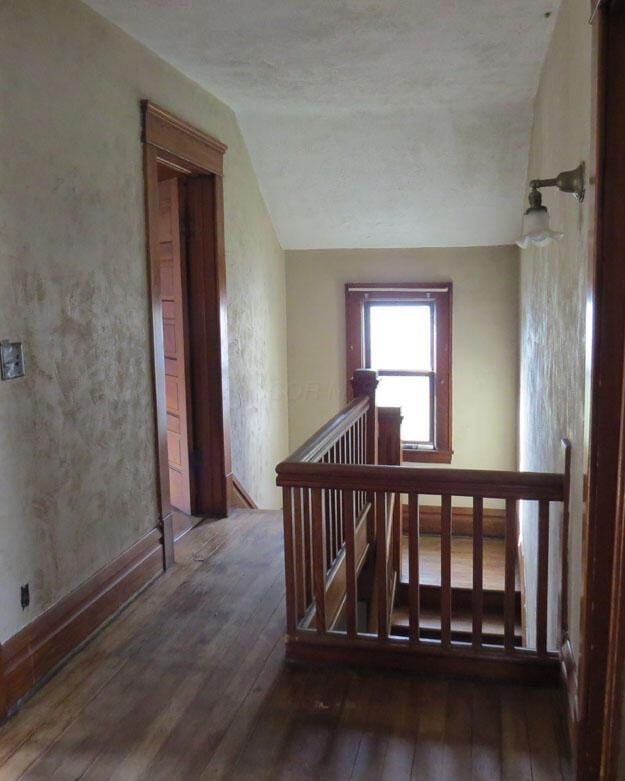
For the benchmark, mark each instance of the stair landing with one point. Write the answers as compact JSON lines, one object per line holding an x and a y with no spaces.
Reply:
{"x":461,"y":562}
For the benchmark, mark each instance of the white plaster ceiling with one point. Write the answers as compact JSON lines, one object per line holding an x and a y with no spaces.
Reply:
{"x":370,"y":123}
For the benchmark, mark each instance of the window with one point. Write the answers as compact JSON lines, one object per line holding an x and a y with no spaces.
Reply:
{"x":404,"y":332}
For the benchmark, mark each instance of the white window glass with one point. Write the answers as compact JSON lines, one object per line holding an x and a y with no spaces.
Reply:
{"x":412,"y":394}
{"x":400,"y":337}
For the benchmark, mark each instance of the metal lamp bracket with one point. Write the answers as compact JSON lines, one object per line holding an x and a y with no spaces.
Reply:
{"x":567,"y":181}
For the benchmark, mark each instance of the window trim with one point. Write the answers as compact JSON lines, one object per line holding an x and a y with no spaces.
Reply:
{"x":356,"y":297}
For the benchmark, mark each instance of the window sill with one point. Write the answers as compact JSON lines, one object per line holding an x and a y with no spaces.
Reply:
{"x":427,"y":456}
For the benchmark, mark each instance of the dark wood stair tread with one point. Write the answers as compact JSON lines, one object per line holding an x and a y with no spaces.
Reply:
{"x":461,"y":624}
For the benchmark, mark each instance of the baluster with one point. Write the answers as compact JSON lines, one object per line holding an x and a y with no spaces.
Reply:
{"x":339,"y":503}
{"x":543,"y":577}
{"x":413,"y":566}
{"x":289,"y":563}
{"x":350,"y":563}
{"x":319,"y":557}
{"x":362,"y":439}
{"x":510,"y":577}
{"x":338,"y":540}
{"x":307,"y":546}
{"x":446,"y":570}
{"x":327,"y":514}
{"x":298,"y":535}
{"x":381,"y":568}
{"x":341,"y":521}
{"x":478,"y":570}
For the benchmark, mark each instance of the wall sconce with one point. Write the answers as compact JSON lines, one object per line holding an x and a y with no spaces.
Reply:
{"x":536,"y":228}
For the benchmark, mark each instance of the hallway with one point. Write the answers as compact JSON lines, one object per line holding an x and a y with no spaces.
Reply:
{"x":189,"y":683}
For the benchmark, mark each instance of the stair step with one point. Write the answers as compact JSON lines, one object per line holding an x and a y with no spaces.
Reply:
{"x":462,"y":599}
{"x":461,"y":625}
{"x":494,"y":556}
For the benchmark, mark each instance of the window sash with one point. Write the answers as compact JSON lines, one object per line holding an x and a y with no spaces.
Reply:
{"x":358,"y":298}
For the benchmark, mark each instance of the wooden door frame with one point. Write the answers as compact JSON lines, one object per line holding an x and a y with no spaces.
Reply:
{"x":198,"y":157}
{"x":602,"y":655}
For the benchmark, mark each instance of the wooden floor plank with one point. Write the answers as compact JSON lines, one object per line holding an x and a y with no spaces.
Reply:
{"x":486,"y":737}
{"x":456,"y":758}
{"x":375,"y":728}
{"x":311,"y":735}
{"x":544,"y":731}
{"x":515,"y":748}
{"x":189,"y":682}
{"x":403,"y":726}
{"x":431,"y":710}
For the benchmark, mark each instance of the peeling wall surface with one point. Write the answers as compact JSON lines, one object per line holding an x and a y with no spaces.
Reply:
{"x":553,"y":292}
{"x":77,"y":463}
{"x":484,"y":350}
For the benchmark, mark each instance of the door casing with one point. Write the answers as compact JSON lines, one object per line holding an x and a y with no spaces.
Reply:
{"x":198,"y":158}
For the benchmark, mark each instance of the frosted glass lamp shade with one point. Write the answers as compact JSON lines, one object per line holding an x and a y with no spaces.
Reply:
{"x":536,"y":229}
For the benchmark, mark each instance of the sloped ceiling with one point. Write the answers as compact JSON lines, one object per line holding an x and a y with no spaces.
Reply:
{"x":370,"y":123}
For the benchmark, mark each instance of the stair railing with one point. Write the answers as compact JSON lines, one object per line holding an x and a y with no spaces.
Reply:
{"x":342,"y":526}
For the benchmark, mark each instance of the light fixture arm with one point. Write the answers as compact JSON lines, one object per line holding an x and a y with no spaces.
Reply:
{"x":567,"y":181}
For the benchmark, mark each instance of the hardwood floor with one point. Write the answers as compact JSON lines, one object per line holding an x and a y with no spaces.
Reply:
{"x":461,"y":561}
{"x":189,"y":683}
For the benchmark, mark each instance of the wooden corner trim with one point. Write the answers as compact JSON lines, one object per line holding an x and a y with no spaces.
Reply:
{"x":570,"y":682}
{"x":167,"y":132}
{"x":240,"y":497}
{"x":31,"y":654}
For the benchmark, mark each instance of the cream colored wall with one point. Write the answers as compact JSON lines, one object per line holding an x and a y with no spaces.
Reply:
{"x":77,"y":466}
{"x":485,"y":339}
{"x":553,"y":289}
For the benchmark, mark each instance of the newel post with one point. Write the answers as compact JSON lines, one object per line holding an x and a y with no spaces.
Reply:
{"x":364,"y":382}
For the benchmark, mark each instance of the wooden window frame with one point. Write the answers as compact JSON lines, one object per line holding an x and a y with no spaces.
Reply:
{"x":357,"y":296}
{"x":196,"y":156}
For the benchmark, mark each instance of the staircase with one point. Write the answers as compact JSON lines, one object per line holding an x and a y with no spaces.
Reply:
{"x":432,"y":586}
{"x":461,"y":590}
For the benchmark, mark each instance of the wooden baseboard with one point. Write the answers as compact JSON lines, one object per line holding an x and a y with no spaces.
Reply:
{"x":28,"y":657}
{"x":462,"y":520}
{"x":568,"y":669}
{"x":519,"y":669}
{"x":239,"y":497}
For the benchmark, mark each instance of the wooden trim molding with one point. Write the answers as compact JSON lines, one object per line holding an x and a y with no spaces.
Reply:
{"x":28,"y":657}
{"x":455,"y":663}
{"x":602,"y":652}
{"x":168,"y":133}
{"x":239,"y":497}
{"x":198,"y":159}
{"x":570,"y":683}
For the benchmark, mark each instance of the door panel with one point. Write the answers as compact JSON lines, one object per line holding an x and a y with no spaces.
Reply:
{"x":173,"y":295}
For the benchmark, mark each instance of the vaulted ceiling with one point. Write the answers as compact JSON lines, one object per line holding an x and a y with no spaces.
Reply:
{"x":370,"y":123}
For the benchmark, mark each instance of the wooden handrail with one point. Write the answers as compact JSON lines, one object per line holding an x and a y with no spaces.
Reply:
{"x":405,"y":479}
{"x":343,"y":548}
{"x":327,"y":435}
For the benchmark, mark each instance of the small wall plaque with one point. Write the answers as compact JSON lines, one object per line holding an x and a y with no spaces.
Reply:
{"x":11,"y":360}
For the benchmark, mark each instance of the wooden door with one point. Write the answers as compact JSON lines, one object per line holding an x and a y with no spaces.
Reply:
{"x":173,"y":297}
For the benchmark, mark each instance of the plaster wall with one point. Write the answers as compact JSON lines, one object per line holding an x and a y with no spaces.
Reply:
{"x":407,"y":121}
{"x":552,"y":291}
{"x":77,"y":463}
{"x":484,"y":350}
